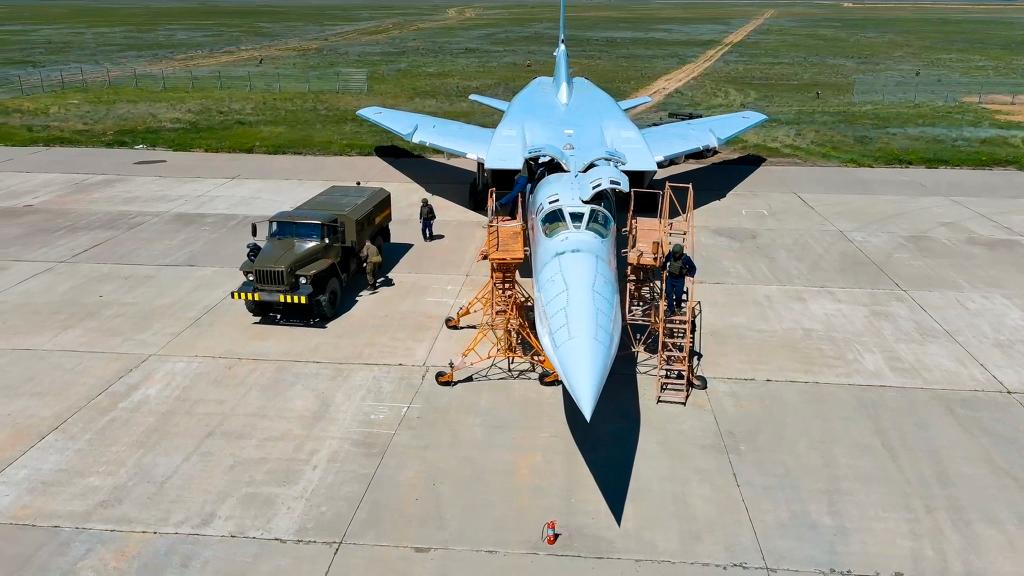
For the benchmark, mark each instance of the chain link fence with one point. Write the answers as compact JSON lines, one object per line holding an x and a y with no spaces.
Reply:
{"x":924,"y":89}
{"x":181,"y":79}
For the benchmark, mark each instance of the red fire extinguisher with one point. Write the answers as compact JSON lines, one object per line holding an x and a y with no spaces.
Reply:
{"x":550,"y":532}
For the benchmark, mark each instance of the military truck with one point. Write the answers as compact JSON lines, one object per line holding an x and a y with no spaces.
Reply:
{"x":311,"y":252}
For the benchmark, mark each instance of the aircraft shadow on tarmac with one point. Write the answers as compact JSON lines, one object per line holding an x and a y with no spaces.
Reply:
{"x":609,"y":441}
{"x":438,"y":178}
{"x":713,"y":182}
{"x":350,"y":294}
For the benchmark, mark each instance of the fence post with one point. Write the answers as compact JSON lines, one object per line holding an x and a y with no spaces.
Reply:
{"x":946,"y":100}
{"x":163,"y":80}
{"x":249,"y":89}
{"x":22,"y":86}
{"x":1012,"y":97}
{"x":61,"y":78}
{"x":41,"y":85}
{"x":81,"y":72}
{"x":278,"y":82}
{"x":338,"y":74}
{"x":191,"y":80}
{"x":307,"y":82}
{"x":108,"y":75}
{"x":135,"y":77}
{"x":915,"y":92}
{"x":220,"y":83}
{"x":981,"y":92}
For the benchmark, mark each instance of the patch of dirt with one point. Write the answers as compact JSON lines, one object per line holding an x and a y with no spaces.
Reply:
{"x":672,"y":81}
{"x":925,"y":5}
{"x":1012,"y":112}
{"x":1006,"y":107}
{"x":373,"y":30}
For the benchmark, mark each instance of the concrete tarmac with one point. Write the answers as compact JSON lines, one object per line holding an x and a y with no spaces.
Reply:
{"x":861,"y":338}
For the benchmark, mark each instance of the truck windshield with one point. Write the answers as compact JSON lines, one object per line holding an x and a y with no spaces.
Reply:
{"x":298,"y":230}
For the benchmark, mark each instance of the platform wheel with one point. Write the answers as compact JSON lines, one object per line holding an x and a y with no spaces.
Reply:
{"x":548,"y":378}
{"x":444,"y":378}
{"x":451,"y":323}
{"x":699,"y":383}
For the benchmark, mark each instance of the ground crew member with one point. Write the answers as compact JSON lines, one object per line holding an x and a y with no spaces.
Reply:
{"x":677,"y":266}
{"x":371,"y":260}
{"x":518,"y":187}
{"x":427,"y":217}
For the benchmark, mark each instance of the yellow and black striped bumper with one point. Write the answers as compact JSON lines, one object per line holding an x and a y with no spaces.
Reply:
{"x":291,"y":299}
{"x":245,"y":296}
{"x":270,"y":297}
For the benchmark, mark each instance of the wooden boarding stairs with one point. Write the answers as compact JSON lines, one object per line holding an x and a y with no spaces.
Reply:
{"x":673,"y":341}
{"x":504,"y":331}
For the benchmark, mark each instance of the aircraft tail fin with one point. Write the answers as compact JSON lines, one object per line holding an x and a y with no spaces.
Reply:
{"x":561,"y":24}
{"x":562,"y":80}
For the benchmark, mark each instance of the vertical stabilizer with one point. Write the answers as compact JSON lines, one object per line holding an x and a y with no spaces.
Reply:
{"x":561,"y":24}
{"x":563,"y":83}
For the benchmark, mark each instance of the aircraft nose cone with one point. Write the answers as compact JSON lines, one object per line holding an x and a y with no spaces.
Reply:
{"x":581,"y":322}
{"x":583,"y":365}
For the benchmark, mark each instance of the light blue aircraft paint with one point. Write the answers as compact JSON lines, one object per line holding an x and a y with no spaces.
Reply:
{"x":579,"y":149}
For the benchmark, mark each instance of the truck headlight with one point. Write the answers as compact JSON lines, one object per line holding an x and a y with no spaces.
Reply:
{"x":250,"y":276}
{"x":303,"y":280}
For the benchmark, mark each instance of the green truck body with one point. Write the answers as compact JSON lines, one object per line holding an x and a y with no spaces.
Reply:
{"x":310,"y":253}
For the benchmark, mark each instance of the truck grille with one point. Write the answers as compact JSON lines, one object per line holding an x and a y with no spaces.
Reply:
{"x":265,"y":277}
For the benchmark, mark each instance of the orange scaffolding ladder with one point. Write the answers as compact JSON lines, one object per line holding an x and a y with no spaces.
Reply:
{"x":504,"y":331}
{"x":674,"y":341}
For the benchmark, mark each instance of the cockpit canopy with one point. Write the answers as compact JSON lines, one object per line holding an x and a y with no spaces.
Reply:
{"x":593,"y":219}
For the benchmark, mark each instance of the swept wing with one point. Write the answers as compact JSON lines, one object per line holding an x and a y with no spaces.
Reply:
{"x":676,"y":139}
{"x":449,"y":136}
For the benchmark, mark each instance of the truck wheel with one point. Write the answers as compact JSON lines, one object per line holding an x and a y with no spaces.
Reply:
{"x":257,"y":309}
{"x":327,"y":303}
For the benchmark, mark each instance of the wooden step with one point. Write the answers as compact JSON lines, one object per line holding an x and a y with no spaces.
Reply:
{"x":669,"y":396}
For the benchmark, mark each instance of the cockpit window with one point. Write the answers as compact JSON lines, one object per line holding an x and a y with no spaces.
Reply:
{"x":602,"y":199}
{"x":553,"y":223}
{"x":600,"y":223}
{"x":576,"y":218}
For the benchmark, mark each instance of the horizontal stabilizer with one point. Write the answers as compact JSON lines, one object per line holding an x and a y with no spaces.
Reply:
{"x":677,"y":139}
{"x":633,"y":102}
{"x":441,"y":134}
{"x":489,"y":102}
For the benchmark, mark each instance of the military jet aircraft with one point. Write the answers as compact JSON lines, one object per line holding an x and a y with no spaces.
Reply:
{"x":578,"y":149}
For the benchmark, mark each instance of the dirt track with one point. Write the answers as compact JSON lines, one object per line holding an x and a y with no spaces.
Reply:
{"x":367,"y":31}
{"x":672,"y":81}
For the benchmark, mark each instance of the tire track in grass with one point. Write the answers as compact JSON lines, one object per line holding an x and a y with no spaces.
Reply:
{"x":662,"y":87}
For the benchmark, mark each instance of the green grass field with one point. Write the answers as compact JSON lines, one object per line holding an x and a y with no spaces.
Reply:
{"x":622,"y":46}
